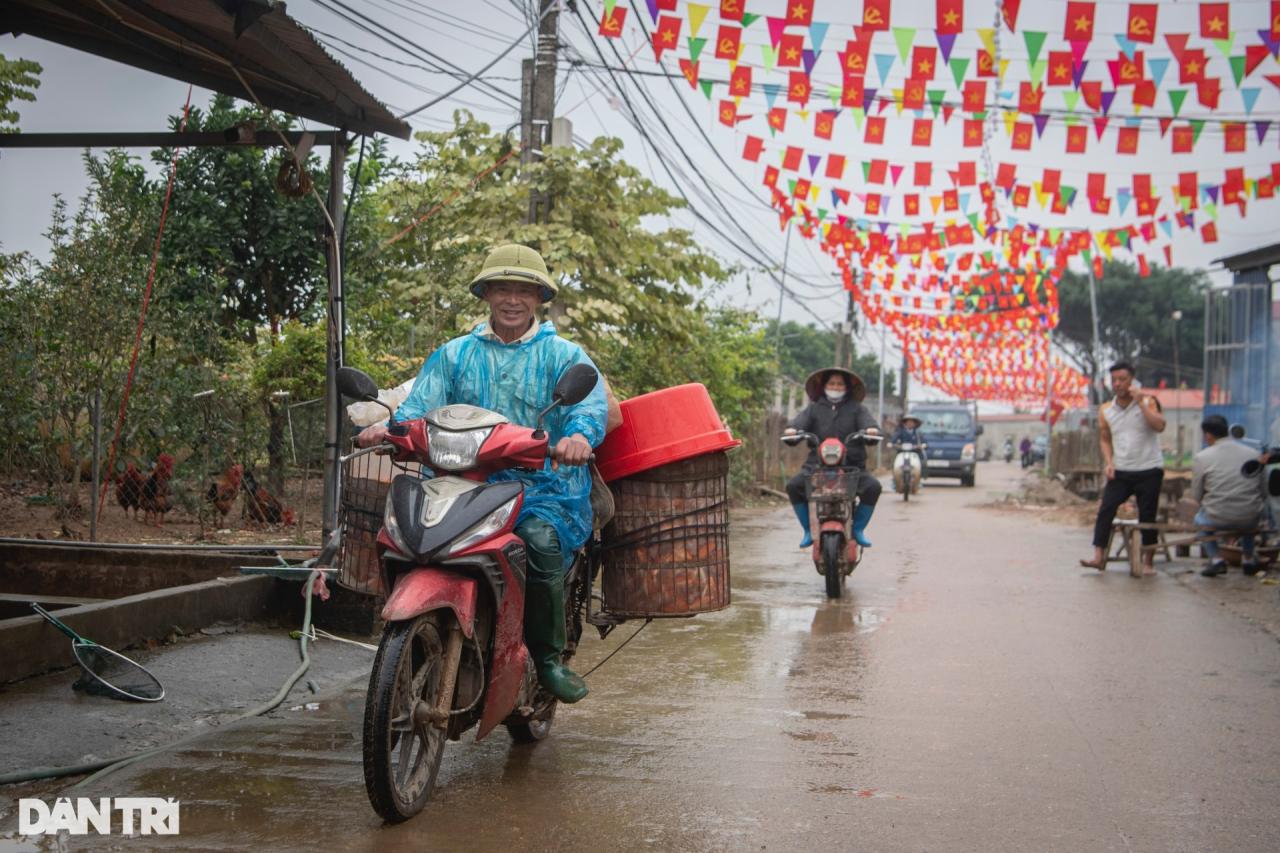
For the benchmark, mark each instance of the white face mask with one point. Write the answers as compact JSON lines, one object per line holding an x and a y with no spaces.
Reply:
{"x":835,"y":396}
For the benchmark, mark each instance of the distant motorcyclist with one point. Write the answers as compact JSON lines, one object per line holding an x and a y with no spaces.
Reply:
{"x":835,"y":411}
{"x":1008,"y":450}
{"x":908,"y":432}
{"x":1024,"y":448}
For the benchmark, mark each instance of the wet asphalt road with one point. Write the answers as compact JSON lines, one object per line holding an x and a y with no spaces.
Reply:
{"x":972,"y":691}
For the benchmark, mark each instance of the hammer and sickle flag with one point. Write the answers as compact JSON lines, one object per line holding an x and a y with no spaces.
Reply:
{"x":875,"y":14}
{"x":1142,"y":22}
{"x":728,"y":113}
{"x":731,"y":10}
{"x":1275,"y":20}
{"x":728,"y":43}
{"x":611,"y":22}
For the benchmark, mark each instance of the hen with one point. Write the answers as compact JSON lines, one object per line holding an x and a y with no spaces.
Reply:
{"x":154,"y":496}
{"x":262,"y":506}
{"x":222,"y":494}
{"x":129,"y":488}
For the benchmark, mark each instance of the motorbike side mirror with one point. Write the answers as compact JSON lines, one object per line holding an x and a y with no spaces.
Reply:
{"x":356,"y":384}
{"x":574,"y":386}
{"x":360,"y":386}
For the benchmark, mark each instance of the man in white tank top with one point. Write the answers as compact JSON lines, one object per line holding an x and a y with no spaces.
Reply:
{"x":1129,"y":428}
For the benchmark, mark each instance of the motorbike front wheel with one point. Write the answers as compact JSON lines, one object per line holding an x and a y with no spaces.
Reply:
{"x":906,"y":485}
{"x":832,"y":545}
{"x":402,"y":749}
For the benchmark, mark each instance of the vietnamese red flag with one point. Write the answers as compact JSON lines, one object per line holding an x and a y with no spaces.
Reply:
{"x":802,"y":189}
{"x":1142,"y":22}
{"x":1060,"y":64}
{"x":922,"y":132}
{"x":731,"y":10}
{"x":740,"y":81}
{"x":1077,"y":138}
{"x":667,"y":35}
{"x":1021,"y":195}
{"x":753,"y":148}
{"x":798,"y":88}
{"x":1006,"y":176}
{"x":835,"y":166}
{"x":771,"y":176}
{"x":728,"y":113}
{"x":728,"y":42}
{"x":877,"y":171}
{"x":913,"y":94}
{"x":924,"y":61}
{"x":1022,"y":133}
{"x":875,"y":14}
{"x":975,"y":96}
{"x":986,"y":65}
{"x":923,"y":173}
{"x":1079,"y":22}
{"x":792,"y":158}
{"x":1051,"y":180}
{"x":873,"y":204}
{"x":1209,"y":233}
{"x":790,"y":50}
{"x":1183,"y":139}
{"x":611,"y":22}
{"x":1215,"y":20}
{"x":823,"y":124}
{"x":950,"y":17}
{"x":800,"y":12}
{"x":1141,"y":185}
{"x":778,"y":118}
{"x":1144,"y":93}
{"x":1275,"y":20}
{"x":874,"y":132}
{"x":1096,"y":187}
{"x":1188,"y":184}
{"x":911,"y":204}
{"x":1127,"y":141}
{"x":1030,"y":97}
{"x":851,"y":93}
{"x":1192,"y":66}
{"x":1234,"y":136}
{"x":972,"y":133}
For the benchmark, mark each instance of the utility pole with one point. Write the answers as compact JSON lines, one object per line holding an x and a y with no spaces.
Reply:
{"x":1177,"y":390}
{"x":539,"y":109}
{"x":1095,"y":381}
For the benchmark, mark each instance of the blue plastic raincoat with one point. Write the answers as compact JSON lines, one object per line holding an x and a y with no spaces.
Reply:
{"x":516,"y":380}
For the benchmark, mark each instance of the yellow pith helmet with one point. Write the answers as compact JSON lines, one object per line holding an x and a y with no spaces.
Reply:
{"x":517,"y":263}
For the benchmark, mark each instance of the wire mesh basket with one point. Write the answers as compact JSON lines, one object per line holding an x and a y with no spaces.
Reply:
{"x":366,"y":481}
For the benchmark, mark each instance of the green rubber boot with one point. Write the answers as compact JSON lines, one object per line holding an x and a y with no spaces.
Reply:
{"x":544,"y":616}
{"x":544,"y":633}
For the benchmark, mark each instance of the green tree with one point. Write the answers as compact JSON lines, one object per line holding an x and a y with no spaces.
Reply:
{"x":1135,"y":321}
{"x":19,"y":79}
{"x":806,"y":348}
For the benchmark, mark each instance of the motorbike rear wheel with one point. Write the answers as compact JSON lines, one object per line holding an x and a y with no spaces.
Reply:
{"x":536,"y":727}
{"x":402,"y":754}
{"x":832,"y":544}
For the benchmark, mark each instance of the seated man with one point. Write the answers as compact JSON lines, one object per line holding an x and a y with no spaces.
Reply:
{"x":510,"y":365}
{"x":1228,"y":499}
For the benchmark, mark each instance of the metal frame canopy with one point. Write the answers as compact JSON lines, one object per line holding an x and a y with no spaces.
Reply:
{"x":206,"y":42}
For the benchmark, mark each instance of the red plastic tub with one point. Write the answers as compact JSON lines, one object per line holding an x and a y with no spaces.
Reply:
{"x":663,"y":427}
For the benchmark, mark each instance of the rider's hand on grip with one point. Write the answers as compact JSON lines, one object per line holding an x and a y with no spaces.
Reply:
{"x":372,"y":435}
{"x":574,"y":450}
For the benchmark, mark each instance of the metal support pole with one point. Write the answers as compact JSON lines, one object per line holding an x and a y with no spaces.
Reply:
{"x":1048,"y":401}
{"x":1095,"y":381}
{"x":782,"y":294}
{"x":880,"y":403}
{"x":97,"y":464}
{"x":336,"y":338}
{"x":1177,"y":391}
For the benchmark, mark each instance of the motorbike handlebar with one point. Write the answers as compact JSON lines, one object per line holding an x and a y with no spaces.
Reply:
{"x":862,"y":436}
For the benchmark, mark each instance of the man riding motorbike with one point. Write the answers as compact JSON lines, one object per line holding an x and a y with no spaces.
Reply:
{"x":509,"y":365}
{"x":835,"y":411}
{"x":908,"y":432}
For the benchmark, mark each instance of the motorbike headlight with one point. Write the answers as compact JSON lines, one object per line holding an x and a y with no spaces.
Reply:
{"x":967,"y":451}
{"x":455,"y":450}
{"x":392,"y":527}
{"x":486,"y":528}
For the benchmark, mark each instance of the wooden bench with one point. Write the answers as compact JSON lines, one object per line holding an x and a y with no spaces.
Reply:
{"x":1132,"y":550}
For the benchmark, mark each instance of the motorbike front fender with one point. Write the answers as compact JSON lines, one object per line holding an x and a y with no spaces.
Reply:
{"x":430,"y":588}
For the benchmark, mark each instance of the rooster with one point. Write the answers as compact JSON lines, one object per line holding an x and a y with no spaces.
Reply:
{"x":129,"y":488}
{"x":222,"y":494}
{"x":262,"y":506}
{"x":154,"y":497}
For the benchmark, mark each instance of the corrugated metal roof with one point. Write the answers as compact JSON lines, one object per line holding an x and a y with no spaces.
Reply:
{"x":205,"y":42}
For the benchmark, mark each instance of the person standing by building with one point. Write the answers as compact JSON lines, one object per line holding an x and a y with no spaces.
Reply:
{"x":1129,"y":428}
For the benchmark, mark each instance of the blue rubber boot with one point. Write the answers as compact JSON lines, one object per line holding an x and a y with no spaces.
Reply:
{"x":861,"y":518}
{"x":802,"y":514}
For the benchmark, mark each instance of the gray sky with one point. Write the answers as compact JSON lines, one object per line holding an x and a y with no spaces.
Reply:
{"x":83,"y":92}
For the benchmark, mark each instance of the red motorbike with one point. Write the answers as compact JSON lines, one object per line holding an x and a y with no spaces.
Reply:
{"x":833,"y":497}
{"x":452,"y":654}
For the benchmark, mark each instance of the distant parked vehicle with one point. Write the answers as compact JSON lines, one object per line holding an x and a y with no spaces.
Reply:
{"x":1037,"y":453}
